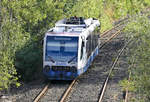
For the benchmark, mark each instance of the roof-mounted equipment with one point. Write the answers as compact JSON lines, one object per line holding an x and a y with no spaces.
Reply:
{"x":75,"y":20}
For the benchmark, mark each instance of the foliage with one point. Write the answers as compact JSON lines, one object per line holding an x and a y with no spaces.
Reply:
{"x":139,"y":82}
{"x":22,"y":25}
{"x":108,"y":11}
{"x":10,"y":35}
{"x":92,"y":8}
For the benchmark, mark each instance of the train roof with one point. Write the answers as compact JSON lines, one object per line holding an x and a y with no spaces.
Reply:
{"x":74,"y":26}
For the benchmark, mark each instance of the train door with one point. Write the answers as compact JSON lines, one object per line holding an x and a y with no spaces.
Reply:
{"x":83,"y":56}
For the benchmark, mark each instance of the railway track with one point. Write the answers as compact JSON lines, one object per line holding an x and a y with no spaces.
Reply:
{"x":114,"y":91}
{"x":109,"y":74}
{"x":68,"y":90}
{"x":41,"y":93}
{"x":106,"y":33}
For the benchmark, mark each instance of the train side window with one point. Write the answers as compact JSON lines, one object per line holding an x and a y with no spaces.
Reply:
{"x":82,"y":45}
{"x":88,"y":46}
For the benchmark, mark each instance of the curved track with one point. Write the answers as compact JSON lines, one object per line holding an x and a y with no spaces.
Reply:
{"x":109,"y":74}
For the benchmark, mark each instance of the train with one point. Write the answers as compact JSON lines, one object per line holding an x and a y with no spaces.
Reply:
{"x":70,"y":47}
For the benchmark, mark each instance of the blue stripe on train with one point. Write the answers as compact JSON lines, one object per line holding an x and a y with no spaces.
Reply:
{"x":62,"y":75}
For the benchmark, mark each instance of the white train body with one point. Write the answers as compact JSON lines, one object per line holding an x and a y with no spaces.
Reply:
{"x":70,"y":47}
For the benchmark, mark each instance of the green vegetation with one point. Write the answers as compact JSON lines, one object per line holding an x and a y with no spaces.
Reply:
{"x":139,"y":53}
{"x":24,"y":22}
{"x":22,"y":26}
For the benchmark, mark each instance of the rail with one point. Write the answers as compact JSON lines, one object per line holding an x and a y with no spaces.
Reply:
{"x":109,"y":74}
{"x":39,"y":96}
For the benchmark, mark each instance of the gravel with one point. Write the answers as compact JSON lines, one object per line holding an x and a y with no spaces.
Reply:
{"x":25,"y":93}
{"x":55,"y":91}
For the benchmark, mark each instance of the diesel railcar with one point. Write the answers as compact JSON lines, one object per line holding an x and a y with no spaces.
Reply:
{"x":70,"y":47}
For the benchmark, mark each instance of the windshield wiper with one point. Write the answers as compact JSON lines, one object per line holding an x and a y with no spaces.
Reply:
{"x":51,"y":59}
{"x":72,"y":59}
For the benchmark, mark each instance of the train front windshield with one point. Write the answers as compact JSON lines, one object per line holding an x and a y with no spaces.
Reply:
{"x":61,"y":49}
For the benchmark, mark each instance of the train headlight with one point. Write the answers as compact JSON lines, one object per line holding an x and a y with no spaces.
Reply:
{"x":47,"y":68}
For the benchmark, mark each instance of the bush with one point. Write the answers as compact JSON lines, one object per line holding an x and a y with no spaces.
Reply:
{"x":139,"y":59}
